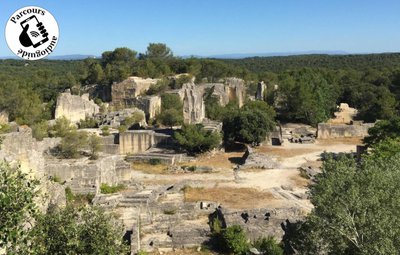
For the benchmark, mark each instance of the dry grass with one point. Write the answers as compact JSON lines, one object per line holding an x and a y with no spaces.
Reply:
{"x":239,"y":198}
{"x":148,"y":168}
{"x":344,"y":140}
{"x":283,"y":152}
{"x":219,"y":160}
{"x":299,"y":181}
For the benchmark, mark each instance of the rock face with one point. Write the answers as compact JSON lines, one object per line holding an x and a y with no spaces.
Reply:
{"x":124,"y":94}
{"x":232,"y":90}
{"x":114,"y":119}
{"x":194,"y":110}
{"x":259,"y":222}
{"x":75,"y":107}
{"x":261,"y":89}
{"x":151,"y":105}
{"x":20,"y":148}
{"x":344,"y":115}
{"x":3,"y":117}
{"x":85,"y":176}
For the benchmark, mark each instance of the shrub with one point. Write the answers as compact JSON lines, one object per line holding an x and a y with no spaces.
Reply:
{"x":235,"y":240}
{"x":40,"y":130}
{"x":154,"y":161}
{"x":171,"y":117}
{"x":61,"y":128}
{"x":94,"y":143}
{"x":88,"y":123}
{"x":72,"y":144}
{"x":107,"y":189}
{"x":268,"y":246}
{"x":105,"y":131}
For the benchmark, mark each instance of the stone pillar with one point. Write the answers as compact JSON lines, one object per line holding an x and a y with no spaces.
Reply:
{"x":261,"y":89}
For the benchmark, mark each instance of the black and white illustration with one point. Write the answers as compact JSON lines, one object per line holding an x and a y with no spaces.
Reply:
{"x":32,"y":33}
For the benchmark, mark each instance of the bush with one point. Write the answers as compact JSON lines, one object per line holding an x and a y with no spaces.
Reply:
{"x":195,"y":139}
{"x":154,"y":161}
{"x":235,"y":240}
{"x":40,"y":130}
{"x":171,"y":117}
{"x":268,"y":246}
{"x":107,"y":189}
{"x":72,"y":144}
{"x":94,"y":143}
{"x":88,"y":123}
{"x":105,"y":131}
{"x":135,"y":118}
{"x":61,"y":128}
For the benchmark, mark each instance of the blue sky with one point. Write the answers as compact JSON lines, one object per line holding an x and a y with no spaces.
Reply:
{"x":207,"y":27}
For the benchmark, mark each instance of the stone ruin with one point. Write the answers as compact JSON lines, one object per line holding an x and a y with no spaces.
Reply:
{"x":129,"y":93}
{"x":124,"y":94}
{"x":74,"y":107}
{"x":343,"y":125}
{"x":114,"y":119}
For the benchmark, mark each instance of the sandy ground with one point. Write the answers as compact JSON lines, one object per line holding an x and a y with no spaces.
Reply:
{"x":260,"y":188}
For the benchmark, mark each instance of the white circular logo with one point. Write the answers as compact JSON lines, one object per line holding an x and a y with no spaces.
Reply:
{"x":32,"y":33}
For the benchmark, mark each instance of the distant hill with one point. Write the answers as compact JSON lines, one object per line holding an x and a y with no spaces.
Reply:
{"x":275,"y":54}
{"x":71,"y":57}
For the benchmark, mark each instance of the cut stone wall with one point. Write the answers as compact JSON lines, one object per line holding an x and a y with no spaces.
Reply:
{"x":326,"y":131}
{"x":136,"y":141}
{"x":75,"y":107}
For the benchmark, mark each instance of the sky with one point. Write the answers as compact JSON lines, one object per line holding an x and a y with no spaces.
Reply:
{"x":210,"y":27}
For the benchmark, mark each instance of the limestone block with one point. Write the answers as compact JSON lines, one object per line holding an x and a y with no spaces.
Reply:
{"x":75,"y":107}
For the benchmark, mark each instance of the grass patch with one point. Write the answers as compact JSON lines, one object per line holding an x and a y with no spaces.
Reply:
{"x":107,"y":189}
{"x":78,"y":199}
{"x":149,"y":168}
{"x":154,"y":161}
{"x":169,"y":211}
{"x":240,"y":198}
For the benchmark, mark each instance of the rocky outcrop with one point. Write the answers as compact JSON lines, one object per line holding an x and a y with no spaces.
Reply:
{"x":123,"y":94}
{"x":194,"y":110}
{"x":254,"y":160}
{"x":75,"y":108}
{"x":115,"y":119}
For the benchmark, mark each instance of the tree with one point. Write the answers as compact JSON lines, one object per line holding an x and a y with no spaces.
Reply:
{"x":40,"y":130}
{"x":171,"y":101}
{"x":94,"y":143}
{"x":79,"y":231}
{"x":195,"y":139}
{"x":17,"y":209}
{"x":235,"y":240}
{"x":95,"y":73}
{"x":170,"y":117}
{"x":382,"y":130}
{"x":61,"y":128}
{"x":158,"y":51}
{"x":356,"y":209}
{"x":268,"y":246}
{"x":72,"y":144}
{"x":251,"y":124}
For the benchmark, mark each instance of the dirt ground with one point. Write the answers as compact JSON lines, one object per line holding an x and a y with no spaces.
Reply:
{"x":249,"y":188}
